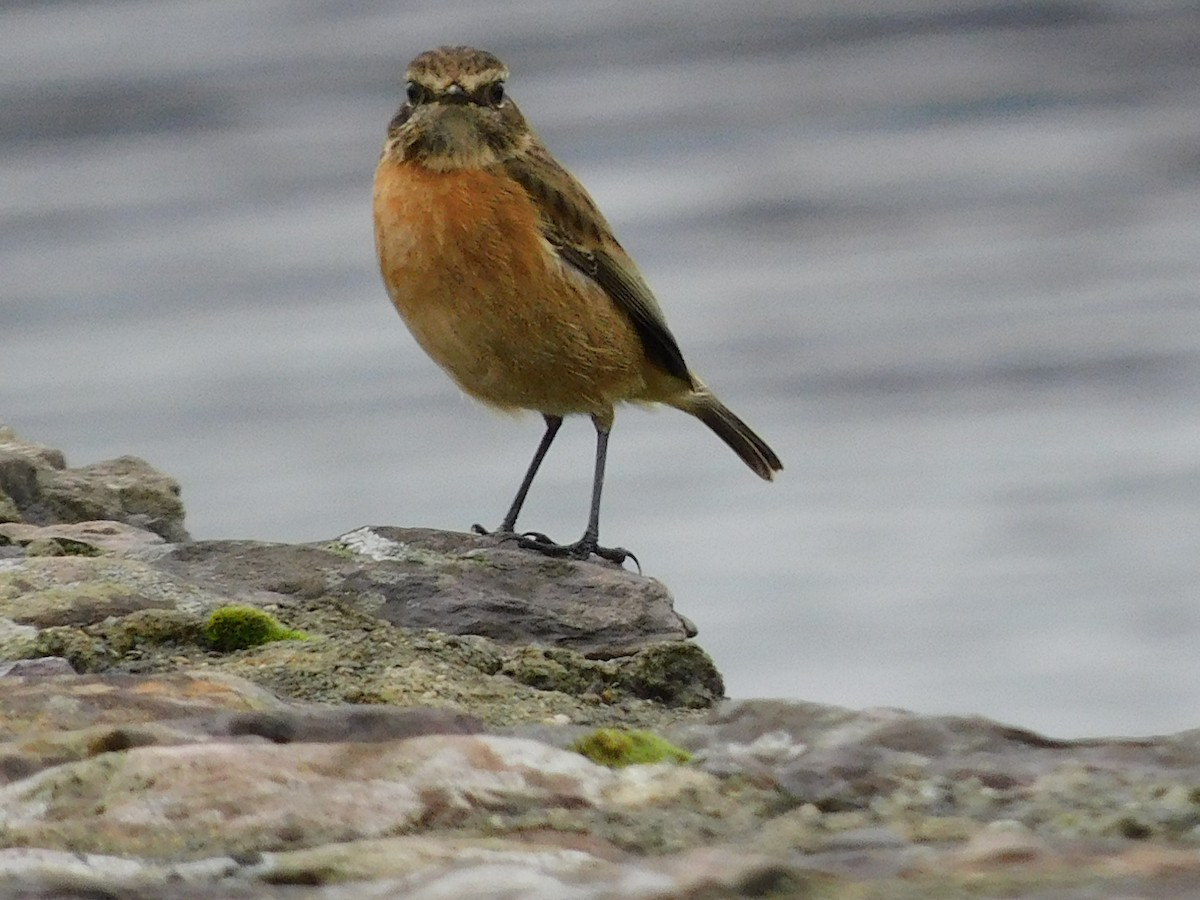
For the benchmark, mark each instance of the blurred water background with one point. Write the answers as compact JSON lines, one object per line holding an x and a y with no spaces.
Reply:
{"x":945,"y":256}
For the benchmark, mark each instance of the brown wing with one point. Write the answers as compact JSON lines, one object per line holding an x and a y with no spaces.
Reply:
{"x":576,"y":229}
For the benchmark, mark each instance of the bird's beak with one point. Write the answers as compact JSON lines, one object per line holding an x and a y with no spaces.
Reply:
{"x":455,"y":94}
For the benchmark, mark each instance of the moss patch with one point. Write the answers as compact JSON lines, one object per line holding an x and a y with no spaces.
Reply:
{"x":618,"y":747}
{"x":240,"y":627}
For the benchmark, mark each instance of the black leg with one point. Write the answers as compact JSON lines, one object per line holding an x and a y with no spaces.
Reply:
{"x":590,"y":542}
{"x":553,"y":423}
{"x":591,"y":535}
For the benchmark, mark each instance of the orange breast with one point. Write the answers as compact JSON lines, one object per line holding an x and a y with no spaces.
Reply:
{"x":465,"y":264}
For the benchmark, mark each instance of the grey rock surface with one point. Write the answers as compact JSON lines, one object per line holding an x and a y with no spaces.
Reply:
{"x":454,"y":583}
{"x":139,"y":606}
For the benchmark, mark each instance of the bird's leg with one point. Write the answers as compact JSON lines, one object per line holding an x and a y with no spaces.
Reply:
{"x":590,"y":542}
{"x":553,"y":423}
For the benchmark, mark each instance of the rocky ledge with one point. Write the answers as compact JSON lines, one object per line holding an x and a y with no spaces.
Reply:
{"x":403,"y":712}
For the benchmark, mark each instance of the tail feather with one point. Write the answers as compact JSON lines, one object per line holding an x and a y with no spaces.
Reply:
{"x":737,"y":434}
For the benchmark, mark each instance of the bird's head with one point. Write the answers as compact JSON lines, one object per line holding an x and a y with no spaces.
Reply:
{"x":457,"y":114}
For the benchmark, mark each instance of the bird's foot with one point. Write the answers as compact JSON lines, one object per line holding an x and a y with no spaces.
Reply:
{"x":504,"y":532}
{"x":582,"y":549}
{"x":501,"y":535}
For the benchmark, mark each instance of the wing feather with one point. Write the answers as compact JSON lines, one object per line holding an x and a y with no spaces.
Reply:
{"x":574,"y":226}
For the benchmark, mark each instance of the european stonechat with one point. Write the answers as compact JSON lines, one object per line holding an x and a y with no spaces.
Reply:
{"x":511,"y":280}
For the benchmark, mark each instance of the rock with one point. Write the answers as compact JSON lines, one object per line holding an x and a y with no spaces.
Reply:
{"x":81,"y":538}
{"x":361,"y":724}
{"x":165,"y":801}
{"x":383,"y":802}
{"x":893,"y":763}
{"x":194,"y":785}
{"x":57,"y":704}
{"x":37,"y":487}
{"x":79,"y":717}
{"x":422,"y":579}
{"x":1004,"y":843}
{"x":407,"y":730}
{"x":676,"y":673}
{"x":411,"y":866}
{"x":133,"y":604}
{"x":43,"y":665}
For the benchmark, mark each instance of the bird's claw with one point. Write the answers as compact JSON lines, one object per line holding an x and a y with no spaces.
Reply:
{"x":581,"y":549}
{"x":501,"y":534}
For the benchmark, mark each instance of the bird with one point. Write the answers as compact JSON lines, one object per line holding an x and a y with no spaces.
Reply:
{"x":510,"y":278}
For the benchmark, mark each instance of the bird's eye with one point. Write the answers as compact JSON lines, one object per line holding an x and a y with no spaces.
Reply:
{"x":494,"y":93}
{"x":416,"y":93}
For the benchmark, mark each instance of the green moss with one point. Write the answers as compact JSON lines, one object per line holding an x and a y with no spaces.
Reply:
{"x":618,"y":747}
{"x":238,"y":627}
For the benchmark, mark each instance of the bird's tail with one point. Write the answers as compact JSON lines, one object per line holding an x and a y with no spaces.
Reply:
{"x":753,"y":450}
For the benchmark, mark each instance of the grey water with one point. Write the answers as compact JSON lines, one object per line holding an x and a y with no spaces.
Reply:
{"x":944,"y":256}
